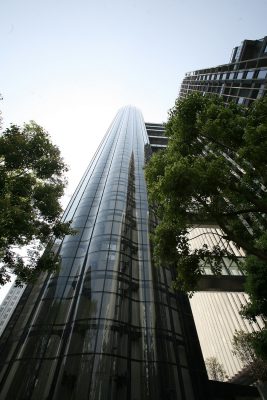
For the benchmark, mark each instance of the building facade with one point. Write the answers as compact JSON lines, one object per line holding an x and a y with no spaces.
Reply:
{"x":108,"y":325}
{"x":9,"y":304}
{"x":216,"y":310}
{"x":243,"y":79}
{"x":217,"y":317}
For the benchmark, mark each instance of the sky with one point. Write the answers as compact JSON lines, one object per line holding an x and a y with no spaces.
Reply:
{"x":70,"y":65}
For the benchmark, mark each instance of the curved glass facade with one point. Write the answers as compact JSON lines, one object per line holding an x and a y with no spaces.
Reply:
{"x":108,"y":325}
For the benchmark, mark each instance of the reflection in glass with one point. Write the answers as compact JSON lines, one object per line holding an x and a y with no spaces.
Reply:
{"x":108,"y":325}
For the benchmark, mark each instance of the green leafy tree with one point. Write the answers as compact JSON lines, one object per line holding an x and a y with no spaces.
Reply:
{"x":256,"y":287}
{"x":246,"y":348}
{"x":215,"y":369}
{"x":31,"y":184}
{"x":212,"y":172}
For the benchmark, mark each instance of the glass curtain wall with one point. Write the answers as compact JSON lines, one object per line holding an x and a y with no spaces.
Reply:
{"x":108,"y":325}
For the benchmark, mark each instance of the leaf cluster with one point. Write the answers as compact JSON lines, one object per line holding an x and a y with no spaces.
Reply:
{"x":215,"y":369}
{"x":213,"y":172}
{"x":31,"y":184}
{"x":250,"y":348}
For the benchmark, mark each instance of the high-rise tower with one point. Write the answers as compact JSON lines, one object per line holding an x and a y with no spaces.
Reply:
{"x":108,"y":325}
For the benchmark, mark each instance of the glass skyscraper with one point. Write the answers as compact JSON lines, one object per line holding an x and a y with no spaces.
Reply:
{"x":108,"y":325}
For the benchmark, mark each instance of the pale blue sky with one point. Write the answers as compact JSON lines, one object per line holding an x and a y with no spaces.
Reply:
{"x":70,"y":64}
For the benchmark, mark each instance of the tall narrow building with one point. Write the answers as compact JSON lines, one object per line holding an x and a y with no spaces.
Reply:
{"x":108,"y":325}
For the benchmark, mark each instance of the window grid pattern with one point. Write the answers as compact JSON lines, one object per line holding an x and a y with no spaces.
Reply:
{"x":241,"y":81}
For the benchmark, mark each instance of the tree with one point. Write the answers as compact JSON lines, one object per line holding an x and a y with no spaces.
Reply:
{"x":256,"y":287}
{"x":213,"y":172}
{"x":215,"y":369}
{"x":244,"y":349}
{"x":31,"y":184}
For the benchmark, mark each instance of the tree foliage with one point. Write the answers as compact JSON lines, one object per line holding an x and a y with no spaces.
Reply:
{"x":246,"y":348}
{"x":31,"y":184}
{"x":215,"y":369}
{"x":212,"y":172}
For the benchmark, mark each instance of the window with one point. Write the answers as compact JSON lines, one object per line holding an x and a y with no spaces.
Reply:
{"x":249,"y":74}
{"x":261,"y":91}
{"x":262,"y":74}
{"x":238,"y":52}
